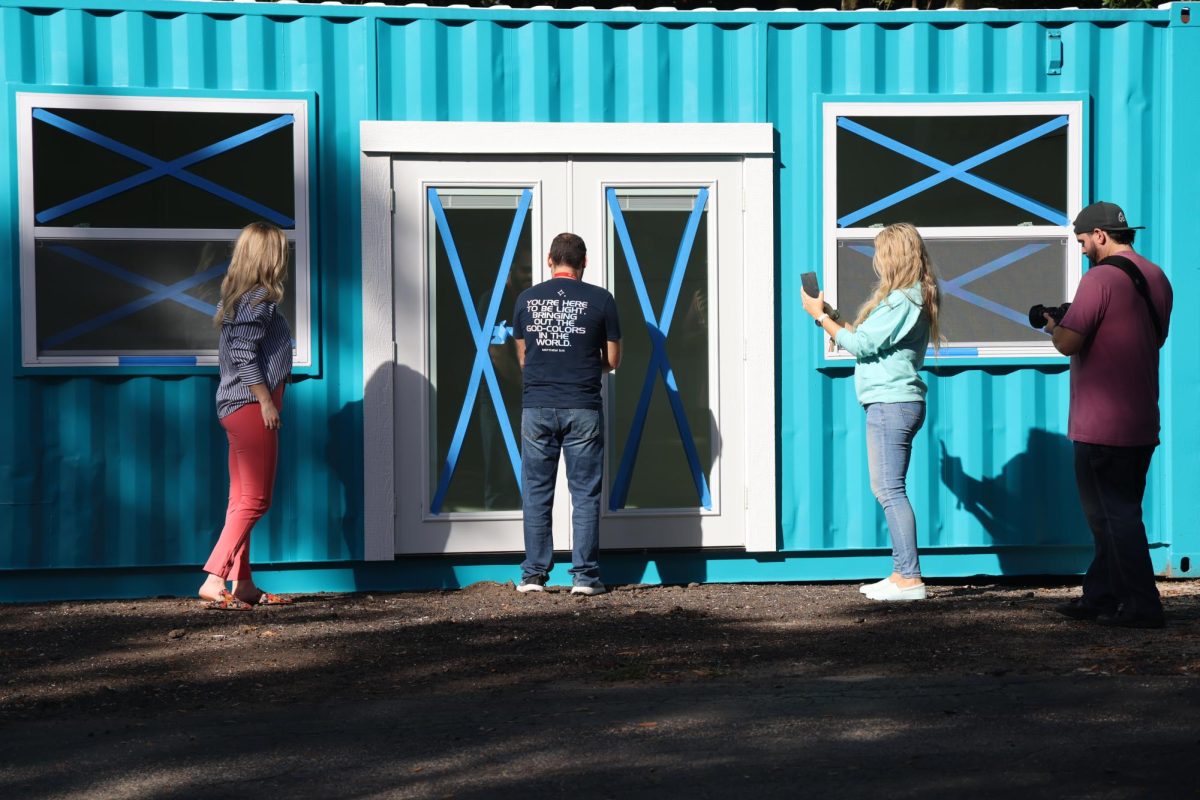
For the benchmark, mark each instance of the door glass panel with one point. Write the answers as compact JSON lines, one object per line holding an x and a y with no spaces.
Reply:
{"x":658,"y":471}
{"x":473,"y":453}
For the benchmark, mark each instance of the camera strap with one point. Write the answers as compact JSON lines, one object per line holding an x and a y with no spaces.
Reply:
{"x":1139,"y":283}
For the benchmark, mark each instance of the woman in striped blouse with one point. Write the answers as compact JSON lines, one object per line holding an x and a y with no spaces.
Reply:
{"x":256,"y":359}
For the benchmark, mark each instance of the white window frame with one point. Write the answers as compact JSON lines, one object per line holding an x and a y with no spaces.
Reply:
{"x":1072,"y":263}
{"x":300,"y":236}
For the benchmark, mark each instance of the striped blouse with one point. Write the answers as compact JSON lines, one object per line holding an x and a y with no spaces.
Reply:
{"x":256,"y":347}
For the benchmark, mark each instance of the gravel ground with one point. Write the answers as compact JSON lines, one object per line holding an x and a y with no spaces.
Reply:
{"x":700,"y":690}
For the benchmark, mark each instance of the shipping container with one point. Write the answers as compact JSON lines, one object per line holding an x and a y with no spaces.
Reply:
{"x":420,"y":160}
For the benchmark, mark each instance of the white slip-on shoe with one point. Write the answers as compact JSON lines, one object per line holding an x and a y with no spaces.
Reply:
{"x":893,"y":593}
{"x":532,"y":583}
{"x":867,"y":587}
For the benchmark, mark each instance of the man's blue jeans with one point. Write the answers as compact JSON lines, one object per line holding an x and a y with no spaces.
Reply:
{"x":579,"y":434}
{"x":891,"y":428}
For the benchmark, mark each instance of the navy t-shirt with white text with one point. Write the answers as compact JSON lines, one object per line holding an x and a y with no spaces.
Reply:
{"x":564,"y":323}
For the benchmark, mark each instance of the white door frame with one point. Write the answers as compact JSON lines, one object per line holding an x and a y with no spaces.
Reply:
{"x":381,"y":142}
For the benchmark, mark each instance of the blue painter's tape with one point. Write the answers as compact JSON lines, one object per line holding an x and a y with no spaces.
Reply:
{"x":996,"y":264}
{"x":959,"y":171}
{"x":501,"y":333}
{"x":986,"y":305}
{"x":954,"y":288}
{"x":157,"y":361}
{"x":952,"y":352}
{"x":481,"y":333}
{"x":658,"y":330}
{"x":173,"y":292}
{"x":158,"y":293}
{"x":160,"y":168}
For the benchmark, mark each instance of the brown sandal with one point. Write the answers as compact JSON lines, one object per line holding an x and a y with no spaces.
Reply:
{"x":226,"y":602}
{"x":268,"y":599}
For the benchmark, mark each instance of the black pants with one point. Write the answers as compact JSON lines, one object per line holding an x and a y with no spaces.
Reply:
{"x":1112,"y":482}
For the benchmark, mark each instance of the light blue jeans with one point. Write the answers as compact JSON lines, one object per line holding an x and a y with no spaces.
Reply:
{"x":578,"y":433}
{"x":891,"y":428}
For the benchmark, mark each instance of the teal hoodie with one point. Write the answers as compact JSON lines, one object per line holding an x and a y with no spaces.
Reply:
{"x":890,"y":347}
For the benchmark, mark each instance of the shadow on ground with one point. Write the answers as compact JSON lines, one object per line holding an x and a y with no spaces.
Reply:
{"x":703,"y":691}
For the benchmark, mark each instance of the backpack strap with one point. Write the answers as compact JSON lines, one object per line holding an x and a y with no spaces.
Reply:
{"x":1139,"y":282}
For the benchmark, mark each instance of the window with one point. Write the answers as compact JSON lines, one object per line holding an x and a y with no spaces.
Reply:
{"x":129,"y":210}
{"x":473,"y":450}
{"x":991,"y":187}
{"x":666,"y":459}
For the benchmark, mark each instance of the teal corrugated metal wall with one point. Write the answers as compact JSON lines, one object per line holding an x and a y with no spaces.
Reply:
{"x":991,"y":467}
{"x":552,"y":72}
{"x":105,"y":471}
{"x":118,"y":471}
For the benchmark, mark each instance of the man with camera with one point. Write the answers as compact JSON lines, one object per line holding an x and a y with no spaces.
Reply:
{"x":1113,"y":331}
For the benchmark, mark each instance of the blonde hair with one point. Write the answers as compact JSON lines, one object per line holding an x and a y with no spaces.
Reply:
{"x":260,"y":258}
{"x":901,"y":260}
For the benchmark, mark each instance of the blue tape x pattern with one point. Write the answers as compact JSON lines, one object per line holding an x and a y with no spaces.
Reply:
{"x":959,"y":172}
{"x":159,"y":292}
{"x":159,"y":168}
{"x":483,"y":332}
{"x":658,"y":328}
{"x":954,"y":287}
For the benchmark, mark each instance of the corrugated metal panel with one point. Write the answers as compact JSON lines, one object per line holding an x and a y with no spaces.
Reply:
{"x":129,"y":471}
{"x":105,"y":471}
{"x":992,"y":466}
{"x":552,"y":72}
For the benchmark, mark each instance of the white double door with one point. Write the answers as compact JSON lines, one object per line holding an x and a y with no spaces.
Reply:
{"x":665,"y":237}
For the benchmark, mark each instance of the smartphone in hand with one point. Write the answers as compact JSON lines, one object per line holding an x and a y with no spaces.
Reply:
{"x":808,"y":282}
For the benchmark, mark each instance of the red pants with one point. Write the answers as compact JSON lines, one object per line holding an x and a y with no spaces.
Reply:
{"x":253,"y":454}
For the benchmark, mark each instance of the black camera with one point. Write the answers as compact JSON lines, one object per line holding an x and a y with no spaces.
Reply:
{"x":1037,"y":318}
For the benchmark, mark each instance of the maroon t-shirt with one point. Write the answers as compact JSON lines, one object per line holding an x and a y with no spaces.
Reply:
{"x":1114,"y":378}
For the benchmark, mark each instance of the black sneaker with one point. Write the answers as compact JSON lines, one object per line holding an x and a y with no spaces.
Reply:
{"x":1078,"y":609}
{"x":532,"y":583}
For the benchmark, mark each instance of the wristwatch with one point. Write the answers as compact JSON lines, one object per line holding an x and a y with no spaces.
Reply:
{"x":821,"y":319}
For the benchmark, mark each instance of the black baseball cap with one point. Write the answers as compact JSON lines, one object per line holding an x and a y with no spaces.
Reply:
{"x":1105,"y":216}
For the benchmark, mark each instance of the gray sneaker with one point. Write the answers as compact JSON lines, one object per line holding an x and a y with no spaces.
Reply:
{"x":590,"y":589}
{"x":532,"y":583}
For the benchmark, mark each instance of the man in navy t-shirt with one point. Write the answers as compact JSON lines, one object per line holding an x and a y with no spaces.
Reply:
{"x":567,"y":336}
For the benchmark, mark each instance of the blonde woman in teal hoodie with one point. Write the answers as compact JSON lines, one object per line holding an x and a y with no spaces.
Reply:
{"x":888,"y":340}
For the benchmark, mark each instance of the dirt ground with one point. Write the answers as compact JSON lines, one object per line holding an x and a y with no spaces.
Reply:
{"x":78,"y":666}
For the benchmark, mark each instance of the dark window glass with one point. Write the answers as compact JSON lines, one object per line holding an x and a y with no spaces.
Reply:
{"x":661,"y":475}
{"x":483,"y":477}
{"x":133,"y":296}
{"x":869,"y":169}
{"x":252,"y":180}
{"x":988,"y":284}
